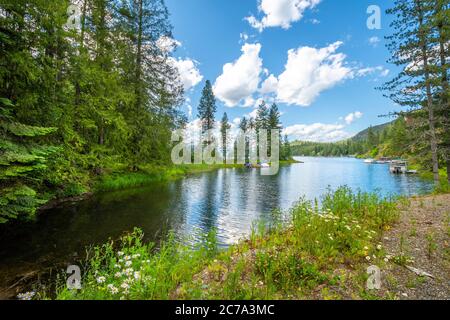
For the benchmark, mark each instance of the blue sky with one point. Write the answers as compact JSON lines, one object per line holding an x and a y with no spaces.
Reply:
{"x":325,"y":89}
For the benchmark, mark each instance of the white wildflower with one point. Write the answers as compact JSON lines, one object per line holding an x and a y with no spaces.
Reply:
{"x":26,"y":296}
{"x":101,"y":279}
{"x":128,"y":263}
{"x":113,"y":289}
{"x":128,"y":271}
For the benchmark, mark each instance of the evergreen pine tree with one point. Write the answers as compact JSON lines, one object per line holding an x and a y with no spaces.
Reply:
{"x":207,"y":109}
{"x":411,"y":49}
{"x":224,"y":127}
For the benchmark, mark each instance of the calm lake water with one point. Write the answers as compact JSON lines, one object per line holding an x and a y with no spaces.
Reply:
{"x":230,"y":200}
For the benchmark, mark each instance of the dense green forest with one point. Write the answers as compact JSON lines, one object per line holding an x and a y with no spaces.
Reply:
{"x":88,"y":95}
{"x":78,"y":102}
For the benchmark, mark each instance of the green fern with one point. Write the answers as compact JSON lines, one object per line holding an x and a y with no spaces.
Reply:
{"x":22,"y":160}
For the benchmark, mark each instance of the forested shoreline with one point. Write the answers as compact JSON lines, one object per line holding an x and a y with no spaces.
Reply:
{"x":86,"y":97}
{"x":77,"y":102}
{"x":90,"y":102}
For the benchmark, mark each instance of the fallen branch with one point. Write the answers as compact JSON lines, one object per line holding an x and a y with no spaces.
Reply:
{"x":420,"y":272}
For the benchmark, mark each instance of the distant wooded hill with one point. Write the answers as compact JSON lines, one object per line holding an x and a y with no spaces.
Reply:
{"x":363,"y":135}
{"x":369,"y":141}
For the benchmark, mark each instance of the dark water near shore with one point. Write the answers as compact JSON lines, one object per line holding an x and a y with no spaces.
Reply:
{"x":229,"y":200}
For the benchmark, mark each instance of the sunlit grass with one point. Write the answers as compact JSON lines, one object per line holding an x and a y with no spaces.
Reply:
{"x":299,"y":251}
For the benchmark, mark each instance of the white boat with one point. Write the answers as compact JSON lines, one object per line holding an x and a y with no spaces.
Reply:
{"x":398,"y":167}
{"x":369,"y":161}
{"x":383,"y":161}
{"x":265,"y":165}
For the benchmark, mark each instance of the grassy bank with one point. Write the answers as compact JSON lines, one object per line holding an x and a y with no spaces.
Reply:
{"x":127,"y":180}
{"x":147,"y":175}
{"x":308,"y":252}
{"x":150,"y":174}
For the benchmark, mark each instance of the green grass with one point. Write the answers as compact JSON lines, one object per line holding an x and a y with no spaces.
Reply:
{"x":309,"y":247}
{"x":443,"y":186}
{"x":127,"y":180}
{"x":290,"y":161}
{"x":119,"y":178}
{"x":150,"y":174}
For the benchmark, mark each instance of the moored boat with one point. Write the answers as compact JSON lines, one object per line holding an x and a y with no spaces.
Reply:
{"x":398,"y":167}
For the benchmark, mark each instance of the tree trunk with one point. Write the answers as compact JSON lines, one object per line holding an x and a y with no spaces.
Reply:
{"x":138,"y":89}
{"x":445,"y":91}
{"x":78,"y":71}
{"x":101,"y":135}
{"x":430,"y":107}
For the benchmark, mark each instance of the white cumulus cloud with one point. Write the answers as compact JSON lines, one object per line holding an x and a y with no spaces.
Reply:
{"x":352,"y":117}
{"x":280,"y":13}
{"x":371,"y":70}
{"x":269,"y":85}
{"x":374,"y":41}
{"x":309,"y":71}
{"x":187,"y":68}
{"x":317,"y":132}
{"x":190,"y":75}
{"x":240,"y":79}
{"x":167,"y":44}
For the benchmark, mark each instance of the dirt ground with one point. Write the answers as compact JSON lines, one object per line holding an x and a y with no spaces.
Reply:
{"x":419,"y":240}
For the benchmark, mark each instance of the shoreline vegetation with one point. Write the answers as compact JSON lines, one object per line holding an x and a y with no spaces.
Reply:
{"x":309,"y":252}
{"x":122,"y":180}
{"x":395,"y":140}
